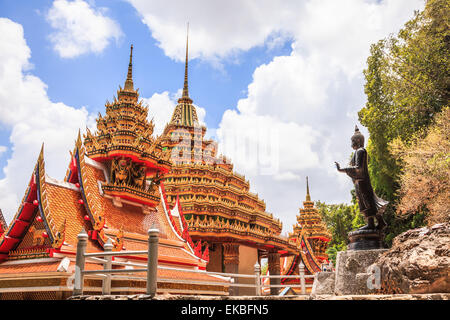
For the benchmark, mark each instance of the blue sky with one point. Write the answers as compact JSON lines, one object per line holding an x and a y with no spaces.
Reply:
{"x":90,"y":79}
{"x":291,"y":70}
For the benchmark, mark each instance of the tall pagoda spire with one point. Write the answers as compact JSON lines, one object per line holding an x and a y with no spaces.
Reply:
{"x":129,"y":82}
{"x":308,"y":197}
{"x":186,"y":88}
{"x":185,"y":113}
{"x":185,"y":97}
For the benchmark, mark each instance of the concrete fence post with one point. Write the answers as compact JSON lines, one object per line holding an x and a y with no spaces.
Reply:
{"x":79,"y":263}
{"x":106,"y":288}
{"x":152,"y":261}
{"x":258,"y":279}
{"x":301,"y":269}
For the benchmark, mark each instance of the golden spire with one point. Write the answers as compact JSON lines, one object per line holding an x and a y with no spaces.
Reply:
{"x":129,"y":81}
{"x":185,"y":88}
{"x":308,"y":197}
{"x":41,"y":153}
{"x":185,"y":96}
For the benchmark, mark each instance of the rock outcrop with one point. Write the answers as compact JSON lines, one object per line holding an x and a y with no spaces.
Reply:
{"x":323,"y":283}
{"x":418,"y":262}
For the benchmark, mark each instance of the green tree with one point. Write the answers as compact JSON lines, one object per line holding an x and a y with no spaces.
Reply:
{"x":398,"y":224}
{"x":407,"y":84}
{"x":333,"y":250}
{"x":340,"y":219}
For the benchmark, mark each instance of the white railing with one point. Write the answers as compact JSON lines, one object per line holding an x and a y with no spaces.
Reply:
{"x":151,"y":267}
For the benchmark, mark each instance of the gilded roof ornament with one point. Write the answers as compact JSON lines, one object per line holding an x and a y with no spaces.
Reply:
{"x":59,"y":236}
{"x":308,"y":197}
{"x":129,"y":81}
{"x":185,"y":95}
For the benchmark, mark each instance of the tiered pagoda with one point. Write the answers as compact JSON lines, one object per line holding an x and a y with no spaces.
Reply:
{"x":223,"y":216}
{"x":113,"y":189}
{"x":311,"y":236}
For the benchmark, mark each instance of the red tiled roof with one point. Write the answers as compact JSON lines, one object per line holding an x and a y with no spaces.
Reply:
{"x":62,"y":206}
{"x":3,"y":225}
{"x":29,"y":267}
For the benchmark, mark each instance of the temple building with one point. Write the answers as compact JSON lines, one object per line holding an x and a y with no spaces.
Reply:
{"x":222,"y":215}
{"x":114,"y":190}
{"x":311,"y":237}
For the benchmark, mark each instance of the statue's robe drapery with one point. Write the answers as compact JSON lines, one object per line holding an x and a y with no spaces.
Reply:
{"x":369,"y":203}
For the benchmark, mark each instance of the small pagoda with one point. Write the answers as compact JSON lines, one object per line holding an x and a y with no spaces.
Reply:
{"x":311,"y":236}
{"x":113,"y":189}
{"x":125,"y":144}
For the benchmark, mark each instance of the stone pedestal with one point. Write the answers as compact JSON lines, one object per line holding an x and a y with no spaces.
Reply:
{"x":365,"y":240}
{"x":323,"y":283}
{"x":353,"y":275}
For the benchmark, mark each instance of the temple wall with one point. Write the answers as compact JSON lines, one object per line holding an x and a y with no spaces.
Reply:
{"x":247,"y":259}
{"x":215,"y":259}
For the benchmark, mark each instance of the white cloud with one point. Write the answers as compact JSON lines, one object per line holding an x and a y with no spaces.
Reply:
{"x":3,"y":149}
{"x":218,"y":28}
{"x":221,"y":29}
{"x":263,"y":145}
{"x":320,"y":86}
{"x":341,"y":32}
{"x":308,"y":99}
{"x":161,"y":107}
{"x":80,"y":29}
{"x":35,"y":119}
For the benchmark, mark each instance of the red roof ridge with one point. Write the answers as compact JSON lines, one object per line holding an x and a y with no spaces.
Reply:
{"x":168,"y":213}
{"x":61,"y":183}
{"x":3,"y":224}
{"x":182,"y":234}
{"x":35,"y":200}
{"x":97,"y":220}
{"x":54,"y":232}
{"x":312,"y":268}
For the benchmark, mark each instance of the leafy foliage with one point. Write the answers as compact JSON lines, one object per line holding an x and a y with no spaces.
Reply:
{"x":340,"y":219}
{"x":407,"y":86}
{"x":425,"y":179}
{"x":407,"y":83}
{"x":333,"y":250}
{"x":398,"y":224}
{"x":264,"y":267}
